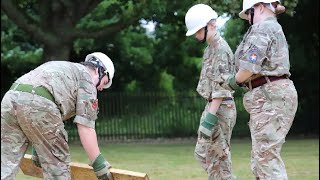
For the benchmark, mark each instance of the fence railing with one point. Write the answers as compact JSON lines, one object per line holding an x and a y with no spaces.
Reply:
{"x":124,"y":116}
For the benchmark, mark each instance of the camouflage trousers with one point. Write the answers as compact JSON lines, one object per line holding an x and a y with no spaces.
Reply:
{"x":272,"y":108}
{"x":214,"y":154}
{"x":27,"y":118}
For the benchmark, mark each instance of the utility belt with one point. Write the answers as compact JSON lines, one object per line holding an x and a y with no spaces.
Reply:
{"x":263,"y":80}
{"x":224,"y":99}
{"x":38,"y":90}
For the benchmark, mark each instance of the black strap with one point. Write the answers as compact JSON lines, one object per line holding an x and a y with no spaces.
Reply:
{"x":205,"y":34}
{"x":101,"y":69}
{"x":252,"y":14}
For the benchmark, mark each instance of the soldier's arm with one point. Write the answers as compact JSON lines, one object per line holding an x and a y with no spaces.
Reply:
{"x":86,"y":114}
{"x":88,"y":138}
{"x":214,"y":106}
{"x":253,"y":57}
{"x":242,"y":75}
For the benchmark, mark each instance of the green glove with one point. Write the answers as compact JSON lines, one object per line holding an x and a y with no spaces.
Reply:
{"x":101,"y":168}
{"x":231,"y":82}
{"x":244,"y":89}
{"x":35,"y":158}
{"x":206,"y":127}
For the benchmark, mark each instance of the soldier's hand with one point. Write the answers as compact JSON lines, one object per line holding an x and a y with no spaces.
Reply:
{"x":244,"y":89}
{"x":231,"y":83}
{"x":206,"y":127}
{"x":101,"y":168}
{"x":35,"y":158}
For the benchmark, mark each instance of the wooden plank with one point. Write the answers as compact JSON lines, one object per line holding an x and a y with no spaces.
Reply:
{"x":80,"y":171}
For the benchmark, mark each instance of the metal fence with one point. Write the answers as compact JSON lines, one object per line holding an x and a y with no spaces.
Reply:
{"x":124,"y":116}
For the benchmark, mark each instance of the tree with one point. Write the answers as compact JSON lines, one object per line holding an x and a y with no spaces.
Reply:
{"x":302,"y":32}
{"x":57,"y":24}
{"x":163,"y":60}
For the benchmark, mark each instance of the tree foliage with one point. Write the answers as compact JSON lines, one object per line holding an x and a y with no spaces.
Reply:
{"x":68,"y":30}
{"x":57,"y":24}
{"x":302,"y":32}
{"x":34,"y":31}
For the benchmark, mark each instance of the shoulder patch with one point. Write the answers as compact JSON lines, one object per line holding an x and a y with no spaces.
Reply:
{"x":253,"y":55}
{"x":94,"y":104}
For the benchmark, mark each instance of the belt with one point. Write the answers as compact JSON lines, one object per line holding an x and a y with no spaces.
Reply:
{"x":224,"y":99}
{"x":39,"y":90}
{"x":263,"y":80}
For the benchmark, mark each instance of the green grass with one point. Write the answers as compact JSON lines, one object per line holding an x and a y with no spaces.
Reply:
{"x":176,"y":161}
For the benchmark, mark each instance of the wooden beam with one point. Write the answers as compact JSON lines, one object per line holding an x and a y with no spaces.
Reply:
{"x":80,"y":171}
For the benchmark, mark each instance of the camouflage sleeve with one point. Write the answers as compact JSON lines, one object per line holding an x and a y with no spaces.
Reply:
{"x":255,"y":52}
{"x":87,"y":104}
{"x":221,"y":70}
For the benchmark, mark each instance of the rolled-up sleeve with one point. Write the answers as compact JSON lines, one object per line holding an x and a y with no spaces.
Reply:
{"x":84,"y":121}
{"x":87,"y":104}
{"x":222,"y":68}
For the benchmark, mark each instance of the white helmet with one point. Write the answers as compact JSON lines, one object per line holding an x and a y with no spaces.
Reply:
{"x":107,"y":64}
{"x":247,"y":4}
{"x":198,"y":17}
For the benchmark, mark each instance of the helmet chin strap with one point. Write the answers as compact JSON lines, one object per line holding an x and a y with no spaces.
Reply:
{"x":101,"y":75}
{"x":101,"y":72}
{"x":251,"y":14}
{"x":205,"y":35}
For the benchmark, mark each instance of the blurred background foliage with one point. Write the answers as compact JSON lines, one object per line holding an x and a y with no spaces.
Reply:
{"x":157,"y":58}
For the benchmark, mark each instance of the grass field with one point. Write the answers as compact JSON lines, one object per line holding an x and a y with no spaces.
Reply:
{"x":173,"y":161}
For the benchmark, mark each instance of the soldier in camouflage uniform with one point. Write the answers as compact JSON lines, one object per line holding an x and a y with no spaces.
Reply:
{"x":219,"y":116}
{"x":263,"y":62}
{"x":33,"y":111}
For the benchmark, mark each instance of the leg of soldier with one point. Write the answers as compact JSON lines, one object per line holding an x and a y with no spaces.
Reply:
{"x":13,"y":141}
{"x":44,"y":127}
{"x":214,"y":154}
{"x":200,"y":148}
{"x":272,"y":111}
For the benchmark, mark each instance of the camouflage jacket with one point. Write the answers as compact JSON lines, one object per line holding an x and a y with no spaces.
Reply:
{"x":71,"y":86}
{"x":264,"y":50}
{"x":217,"y":65}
